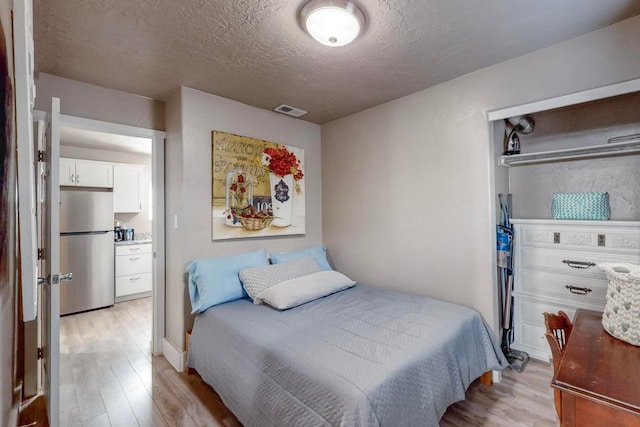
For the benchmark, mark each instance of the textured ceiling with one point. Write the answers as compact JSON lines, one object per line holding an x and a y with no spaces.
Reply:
{"x":255,"y":52}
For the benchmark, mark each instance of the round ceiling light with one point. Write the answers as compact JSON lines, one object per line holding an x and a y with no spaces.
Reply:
{"x":332,"y":22}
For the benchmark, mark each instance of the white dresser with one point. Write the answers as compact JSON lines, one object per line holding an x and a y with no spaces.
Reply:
{"x":134,"y":266}
{"x":555,"y":270}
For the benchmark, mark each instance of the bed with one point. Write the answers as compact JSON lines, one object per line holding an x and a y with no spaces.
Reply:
{"x":361,"y":357}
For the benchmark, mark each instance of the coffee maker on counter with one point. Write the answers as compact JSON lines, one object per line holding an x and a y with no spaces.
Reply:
{"x":118,"y":233}
{"x":121,"y":232}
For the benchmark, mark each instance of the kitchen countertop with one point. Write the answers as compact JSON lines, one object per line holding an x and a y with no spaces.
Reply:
{"x":133,"y":242}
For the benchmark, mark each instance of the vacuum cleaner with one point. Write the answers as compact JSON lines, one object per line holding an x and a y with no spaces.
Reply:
{"x":504,"y":231}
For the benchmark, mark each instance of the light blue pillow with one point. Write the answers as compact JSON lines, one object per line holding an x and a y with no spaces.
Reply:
{"x":214,"y":281}
{"x":319,"y":252}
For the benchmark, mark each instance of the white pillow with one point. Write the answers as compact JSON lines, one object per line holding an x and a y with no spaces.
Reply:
{"x":300,"y":290}
{"x":257,"y":279}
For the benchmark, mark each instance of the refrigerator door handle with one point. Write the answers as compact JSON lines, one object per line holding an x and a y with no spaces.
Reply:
{"x":85,"y":233}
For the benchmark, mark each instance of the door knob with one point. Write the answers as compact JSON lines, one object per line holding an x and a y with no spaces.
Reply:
{"x":55,"y":279}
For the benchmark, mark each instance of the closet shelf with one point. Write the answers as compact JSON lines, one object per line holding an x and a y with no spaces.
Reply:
{"x":613,"y":149}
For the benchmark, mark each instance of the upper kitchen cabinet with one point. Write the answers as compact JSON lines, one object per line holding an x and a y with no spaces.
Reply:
{"x":86,"y":173}
{"x":127,"y":188}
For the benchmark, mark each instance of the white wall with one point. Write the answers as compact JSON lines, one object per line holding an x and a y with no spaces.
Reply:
{"x":138,"y":221}
{"x":99,"y":103}
{"x":407,"y":184}
{"x":174,"y":266}
{"x":191,"y":201}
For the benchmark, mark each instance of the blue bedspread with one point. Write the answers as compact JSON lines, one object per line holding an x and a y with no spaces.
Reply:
{"x":362,"y":357}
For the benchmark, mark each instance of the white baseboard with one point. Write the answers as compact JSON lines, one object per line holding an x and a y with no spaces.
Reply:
{"x":173,"y":355}
{"x":496,"y":376}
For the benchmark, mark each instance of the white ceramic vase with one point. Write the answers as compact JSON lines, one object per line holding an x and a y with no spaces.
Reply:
{"x":281,"y":199}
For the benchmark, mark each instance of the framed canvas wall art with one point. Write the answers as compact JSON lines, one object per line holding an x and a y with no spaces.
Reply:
{"x":257,"y":188}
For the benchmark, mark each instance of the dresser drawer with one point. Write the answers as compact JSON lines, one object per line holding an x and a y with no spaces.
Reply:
{"x":581,"y":237}
{"x":133,"y":284}
{"x":144,"y":248}
{"x":530,"y":328}
{"x":563,"y":286}
{"x":133,"y":264}
{"x":531,"y":311}
{"x":579,"y":263}
{"x":532,"y":339}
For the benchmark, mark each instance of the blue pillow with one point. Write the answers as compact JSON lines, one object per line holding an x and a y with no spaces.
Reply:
{"x":319,"y":252}
{"x":214,"y":281}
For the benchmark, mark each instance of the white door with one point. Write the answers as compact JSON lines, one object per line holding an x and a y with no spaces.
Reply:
{"x":51,"y":286}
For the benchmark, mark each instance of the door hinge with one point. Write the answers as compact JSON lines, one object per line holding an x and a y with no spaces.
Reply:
{"x":40,"y":253}
{"x":39,"y":353}
{"x":40,"y":156}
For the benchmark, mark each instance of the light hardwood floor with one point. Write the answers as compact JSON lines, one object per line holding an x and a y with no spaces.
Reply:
{"x":109,"y":378}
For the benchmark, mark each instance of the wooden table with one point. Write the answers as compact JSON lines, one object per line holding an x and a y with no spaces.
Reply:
{"x":599,"y":377}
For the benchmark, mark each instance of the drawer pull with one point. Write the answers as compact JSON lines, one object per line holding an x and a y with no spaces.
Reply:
{"x":133,"y":279}
{"x":578,"y":264}
{"x":133,"y":249}
{"x":134,"y":259}
{"x":578,"y":290}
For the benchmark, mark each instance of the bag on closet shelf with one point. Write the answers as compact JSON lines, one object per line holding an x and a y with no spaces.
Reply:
{"x":585,"y":206}
{"x":621,"y":317}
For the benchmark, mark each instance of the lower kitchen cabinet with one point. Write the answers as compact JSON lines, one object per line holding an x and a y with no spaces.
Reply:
{"x":134,"y":264}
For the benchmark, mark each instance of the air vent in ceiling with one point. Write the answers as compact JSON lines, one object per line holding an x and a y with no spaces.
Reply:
{"x":289,"y":110}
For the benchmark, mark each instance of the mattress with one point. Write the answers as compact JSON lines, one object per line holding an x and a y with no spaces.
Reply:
{"x":361,"y":357}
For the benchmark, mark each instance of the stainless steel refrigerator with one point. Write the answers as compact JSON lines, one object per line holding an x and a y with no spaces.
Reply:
{"x":86,"y":249}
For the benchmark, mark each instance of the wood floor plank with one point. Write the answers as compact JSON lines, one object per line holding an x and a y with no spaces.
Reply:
{"x":127,"y":375}
{"x":145,"y":409}
{"x":71,"y":418}
{"x":201,"y":403}
{"x":145,"y":374}
{"x":68,"y":399}
{"x":101,"y":420}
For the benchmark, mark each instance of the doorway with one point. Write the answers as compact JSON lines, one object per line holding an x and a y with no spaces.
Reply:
{"x":130,"y":139}
{"x":108,"y":350}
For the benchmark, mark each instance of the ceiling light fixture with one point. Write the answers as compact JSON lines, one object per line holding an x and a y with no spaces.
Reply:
{"x":332,"y":22}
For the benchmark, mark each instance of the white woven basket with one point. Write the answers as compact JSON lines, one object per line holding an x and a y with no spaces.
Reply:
{"x":621,"y":316}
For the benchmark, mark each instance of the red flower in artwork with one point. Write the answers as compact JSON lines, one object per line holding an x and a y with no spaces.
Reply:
{"x":282,"y":162}
{"x":239,"y":191}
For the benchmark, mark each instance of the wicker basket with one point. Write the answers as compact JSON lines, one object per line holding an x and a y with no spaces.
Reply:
{"x":621,"y":316}
{"x":255,"y":224}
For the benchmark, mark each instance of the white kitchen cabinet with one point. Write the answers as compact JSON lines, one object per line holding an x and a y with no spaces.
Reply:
{"x":556,"y":269}
{"x":86,"y":173}
{"x":134,"y":265}
{"x":127,"y":188}
{"x":67,"y":171}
